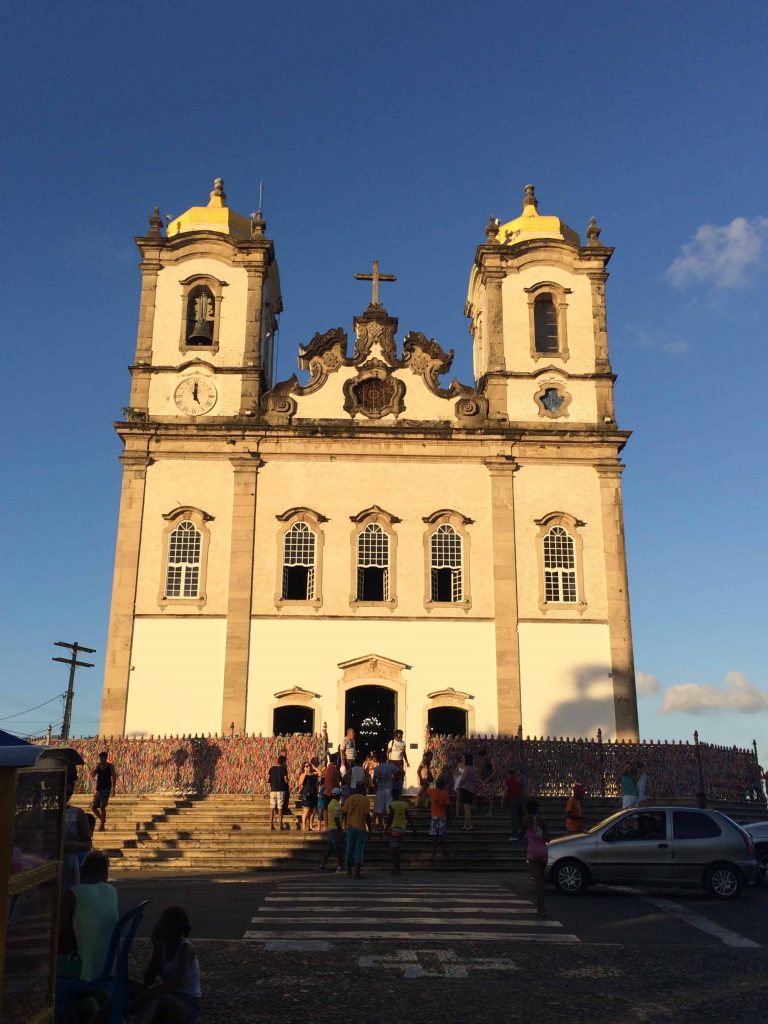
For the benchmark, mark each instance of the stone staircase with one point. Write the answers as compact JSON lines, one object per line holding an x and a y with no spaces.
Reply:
{"x":224,"y":833}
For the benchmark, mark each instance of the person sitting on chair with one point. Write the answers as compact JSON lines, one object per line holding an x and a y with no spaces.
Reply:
{"x":172,"y":977}
{"x":88,"y":916}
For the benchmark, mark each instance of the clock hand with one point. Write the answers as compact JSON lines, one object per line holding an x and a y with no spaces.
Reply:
{"x":194,"y":393}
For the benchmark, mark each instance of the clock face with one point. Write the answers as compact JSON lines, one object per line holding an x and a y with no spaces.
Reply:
{"x":195,"y":395}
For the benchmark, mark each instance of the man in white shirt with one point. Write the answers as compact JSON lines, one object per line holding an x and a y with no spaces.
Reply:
{"x":383,"y":779}
{"x":349,"y":753}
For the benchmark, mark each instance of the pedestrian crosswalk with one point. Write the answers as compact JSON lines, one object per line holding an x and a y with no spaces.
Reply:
{"x":341,"y":908}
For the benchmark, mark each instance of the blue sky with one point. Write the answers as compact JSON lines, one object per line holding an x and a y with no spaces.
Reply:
{"x":393,"y":131}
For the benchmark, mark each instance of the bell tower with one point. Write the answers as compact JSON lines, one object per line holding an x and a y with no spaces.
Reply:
{"x":536,"y":304}
{"x":210,"y":300}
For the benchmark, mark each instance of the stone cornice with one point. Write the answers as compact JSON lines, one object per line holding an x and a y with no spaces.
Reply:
{"x":232,"y":430}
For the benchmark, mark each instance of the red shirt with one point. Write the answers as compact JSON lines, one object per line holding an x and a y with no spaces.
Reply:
{"x":330,"y":779}
{"x":514,"y":788}
{"x":439,"y":800}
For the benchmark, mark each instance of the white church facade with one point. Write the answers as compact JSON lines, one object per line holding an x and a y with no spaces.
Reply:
{"x":372,"y":547}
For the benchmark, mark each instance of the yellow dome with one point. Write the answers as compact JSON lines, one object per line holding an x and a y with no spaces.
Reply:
{"x":531,"y":224}
{"x":216,"y":216}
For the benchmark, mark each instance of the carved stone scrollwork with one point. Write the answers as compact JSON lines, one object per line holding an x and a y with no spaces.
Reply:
{"x":471,"y":408}
{"x":374,"y":393}
{"x":426,"y":357}
{"x":323,"y":355}
{"x":375,"y":332}
{"x":278,"y":407}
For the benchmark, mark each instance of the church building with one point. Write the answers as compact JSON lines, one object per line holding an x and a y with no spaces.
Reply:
{"x":370,"y":545}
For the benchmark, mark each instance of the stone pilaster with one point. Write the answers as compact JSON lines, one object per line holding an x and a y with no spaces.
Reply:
{"x":250,"y":394}
{"x":622,"y":659}
{"x":502,"y":471}
{"x":117,"y":667}
{"x":494,"y":321}
{"x":140,"y":372}
{"x":236,"y":658}
{"x":600,"y":321}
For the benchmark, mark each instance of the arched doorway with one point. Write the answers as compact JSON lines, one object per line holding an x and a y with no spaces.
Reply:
{"x":372,"y":712}
{"x":292,"y":718}
{"x":447,"y":721}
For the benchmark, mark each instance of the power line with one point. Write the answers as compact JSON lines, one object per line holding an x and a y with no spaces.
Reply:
{"x":20,"y":713}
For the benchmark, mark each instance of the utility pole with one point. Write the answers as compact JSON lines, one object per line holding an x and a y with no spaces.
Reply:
{"x":74,"y":664}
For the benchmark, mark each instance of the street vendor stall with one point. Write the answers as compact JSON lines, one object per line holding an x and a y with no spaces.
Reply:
{"x":32,"y":800}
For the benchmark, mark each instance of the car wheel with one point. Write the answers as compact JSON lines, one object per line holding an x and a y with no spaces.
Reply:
{"x":723,"y":881}
{"x":761,"y":854}
{"x":570,"y":877}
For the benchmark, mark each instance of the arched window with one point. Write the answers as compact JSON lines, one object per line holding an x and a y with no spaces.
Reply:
{"x":545,"y":324}
{"x":201,"y":299}
{"x":447,"y":583}
{"x":200,"y":317}
{"x":299,"y":564}
{"x":182,"y":579}
{"x":373,"y":564}
{"x":559,"y":567}
{"x":293,"y":719}
{"x":446,"y":561}
{"x":548,"y":320}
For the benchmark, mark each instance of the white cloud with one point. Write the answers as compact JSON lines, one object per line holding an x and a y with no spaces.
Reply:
{"x":721,"y":255}
{"x":646,"y":684}
{"x":738,"y":694}
{"x":669,"y":344}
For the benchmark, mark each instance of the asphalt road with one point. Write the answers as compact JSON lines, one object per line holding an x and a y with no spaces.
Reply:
{"x":303,"y":947}
{"x":222,"y":906}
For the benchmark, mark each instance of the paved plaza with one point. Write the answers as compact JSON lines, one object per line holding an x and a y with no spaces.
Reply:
{"x":289,"y":948}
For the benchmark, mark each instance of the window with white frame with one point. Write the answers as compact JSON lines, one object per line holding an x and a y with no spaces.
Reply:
{"x":373,"y":564}
{"x":299,"y":567}
{"x":447,"y":584}
{"x":184,"y":550}
{"x":559,"y":567}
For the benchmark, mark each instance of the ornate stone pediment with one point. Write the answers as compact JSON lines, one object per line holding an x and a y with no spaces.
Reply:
{"x":375,"y":513}
{"x":325,"y":354}
{"x":375,"y":331}
{"x":472,"y":408}
{"x":374,"y":393}
{"x":296,"y":693}
{"x":372,"y":383}
{"x":425,"y":357}
{"x":278,"y":406}
{"x":450,"y":694}
{"x":373,"y":666}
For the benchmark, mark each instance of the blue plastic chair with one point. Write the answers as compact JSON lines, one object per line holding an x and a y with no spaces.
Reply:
{"x":113,"y":980}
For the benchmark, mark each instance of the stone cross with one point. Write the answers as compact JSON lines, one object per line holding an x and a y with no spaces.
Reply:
{"x":375,"y":277}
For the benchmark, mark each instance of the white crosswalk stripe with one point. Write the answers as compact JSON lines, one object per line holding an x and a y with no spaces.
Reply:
{"x":342,"y":909}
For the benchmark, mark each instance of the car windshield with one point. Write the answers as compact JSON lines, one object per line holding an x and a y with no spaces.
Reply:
{"x":604,"y":822}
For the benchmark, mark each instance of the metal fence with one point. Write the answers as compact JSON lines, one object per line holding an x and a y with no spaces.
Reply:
{"x":676,"y":770}
{"x":549,"y":767}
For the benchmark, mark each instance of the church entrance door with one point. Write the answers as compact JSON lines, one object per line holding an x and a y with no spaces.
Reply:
{"x":372,"y":712}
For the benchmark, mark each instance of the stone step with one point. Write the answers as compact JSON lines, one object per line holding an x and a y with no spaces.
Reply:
{"x":177,"y":833}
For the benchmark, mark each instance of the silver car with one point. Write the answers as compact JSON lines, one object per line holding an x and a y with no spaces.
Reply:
{"x":759,"y":832}
{"x":665,"y":846}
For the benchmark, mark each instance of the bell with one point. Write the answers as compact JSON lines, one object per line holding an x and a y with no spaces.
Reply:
{"x":201,"y":333}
